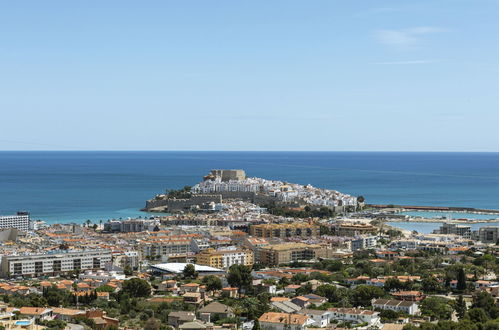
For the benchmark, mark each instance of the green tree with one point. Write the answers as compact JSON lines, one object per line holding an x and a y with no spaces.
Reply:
{"x":189,"y":271}
{"x":128,"y":270}
{"x":136,"y":287}
{"x":477,"y":315}
{"x":461,"y":280}
{"x":212,"y":282}
{"x":436,"y":308}
{"x":363,"y":294}
{"x":460,"y":307}
{"x":152,"y":324}
{"x":239,"y":276}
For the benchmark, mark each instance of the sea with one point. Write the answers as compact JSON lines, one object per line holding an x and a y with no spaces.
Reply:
{"x":75,"y":186}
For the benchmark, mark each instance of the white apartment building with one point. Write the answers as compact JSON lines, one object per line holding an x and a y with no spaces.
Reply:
{"x":53,"y":263}
{"x":363,"y":242}
{"x":408,"y":307}
{"x":355,"y":315}
{"x":19,"y":221}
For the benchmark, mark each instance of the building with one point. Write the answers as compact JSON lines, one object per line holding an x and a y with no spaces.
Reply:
{"x":19,"y":221}
{"x":408,"y":307}
{"x":176,"y":268}
{"x":225,"y":258}
{"x":288,"y":252}
{"x":284,"y":321}
{"x":285,"y":230}
{"x":227,"y":175}
{"x":355,"y":315}
{"x":489,"y":234}
{"x":454,"y":229}
{"x":363,"y":242}
{"x":353,"y":229}
{"x":165,"y":246}
{"x":216,"y":310}
{"x":131,"y":225}
{"x":320,"y":318}
{"x":54,"y":263}
{"x":177,"y":318}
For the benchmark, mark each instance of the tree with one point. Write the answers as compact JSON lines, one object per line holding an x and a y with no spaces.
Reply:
{"x":461,"y":280}
{"x":477,"y":315}
{"x":363,"y":294}
{"x":239,"y":276}
{"x":136,"y":287}
{"x":152,"y":324}
{"x":436,"y":308}
{"x":189,"y":271}
{"x":485,"y":301}
{"x":128,"y":270}
{"x":460,"y":307}
{"x":361,"y":199}
{"x":212,"y":283}
{"x":388,"y":315}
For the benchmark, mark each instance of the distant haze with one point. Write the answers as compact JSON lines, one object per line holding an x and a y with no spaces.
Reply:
{"x":249,"y":75}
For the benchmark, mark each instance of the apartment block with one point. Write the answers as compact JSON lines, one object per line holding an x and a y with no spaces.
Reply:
{"x":224,"y":258}
{"x":285,"y":230}
{"x":289,"y":252}
{"x":53,"y":264}
{"x":19,"y":221}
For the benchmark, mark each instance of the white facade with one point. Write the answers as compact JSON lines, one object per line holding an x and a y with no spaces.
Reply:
{"x":355,"y":315}
{"x":19,"y":221}
{"x":54,"y":263}
{"x":408,"y":307}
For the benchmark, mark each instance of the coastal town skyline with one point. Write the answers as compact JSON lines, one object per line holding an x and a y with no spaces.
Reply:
{"x":284,"y":75}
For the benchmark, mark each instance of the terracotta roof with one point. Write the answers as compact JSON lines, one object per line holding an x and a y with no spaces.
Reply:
{"x":283,"y":318}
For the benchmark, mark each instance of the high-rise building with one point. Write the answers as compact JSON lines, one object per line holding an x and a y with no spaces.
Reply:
{"x":19,"y":221}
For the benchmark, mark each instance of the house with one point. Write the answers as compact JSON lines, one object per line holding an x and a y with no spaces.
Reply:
{"x":189,"y":287}
{"x":268,"y":288}
{"x":291,"y":288}
{"x":38,"y":313}
{"x":482,"y":284}
{"x":301,"y":301}
{"x":100,"y":319}
{"x":216,"y":310}
{"x":284,"y":321}
{"x":320,"y":318}
{"x":175,"y":319}
{"x":193,"y":298}
{"x":194,"y":325}
{"x":66,"y":314}
{"x":168,"y":286}
{"x":315,"y":299}
{"x":408,"y":307}
{"x":355,"y":315}
{"x":285,"y":306}
{"x":230,"y":292}
{"x":409,"y":295}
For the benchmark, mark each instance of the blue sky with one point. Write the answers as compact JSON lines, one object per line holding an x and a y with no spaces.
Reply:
{"x":250,"y":75}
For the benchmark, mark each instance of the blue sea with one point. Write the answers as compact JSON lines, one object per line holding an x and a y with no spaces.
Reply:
{"x":76,"y":186}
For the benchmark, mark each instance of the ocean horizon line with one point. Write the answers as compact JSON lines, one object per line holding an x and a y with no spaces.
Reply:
{"x":260,"y":151}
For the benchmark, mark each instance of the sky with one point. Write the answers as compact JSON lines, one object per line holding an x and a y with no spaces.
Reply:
{"x":362,"y":75}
